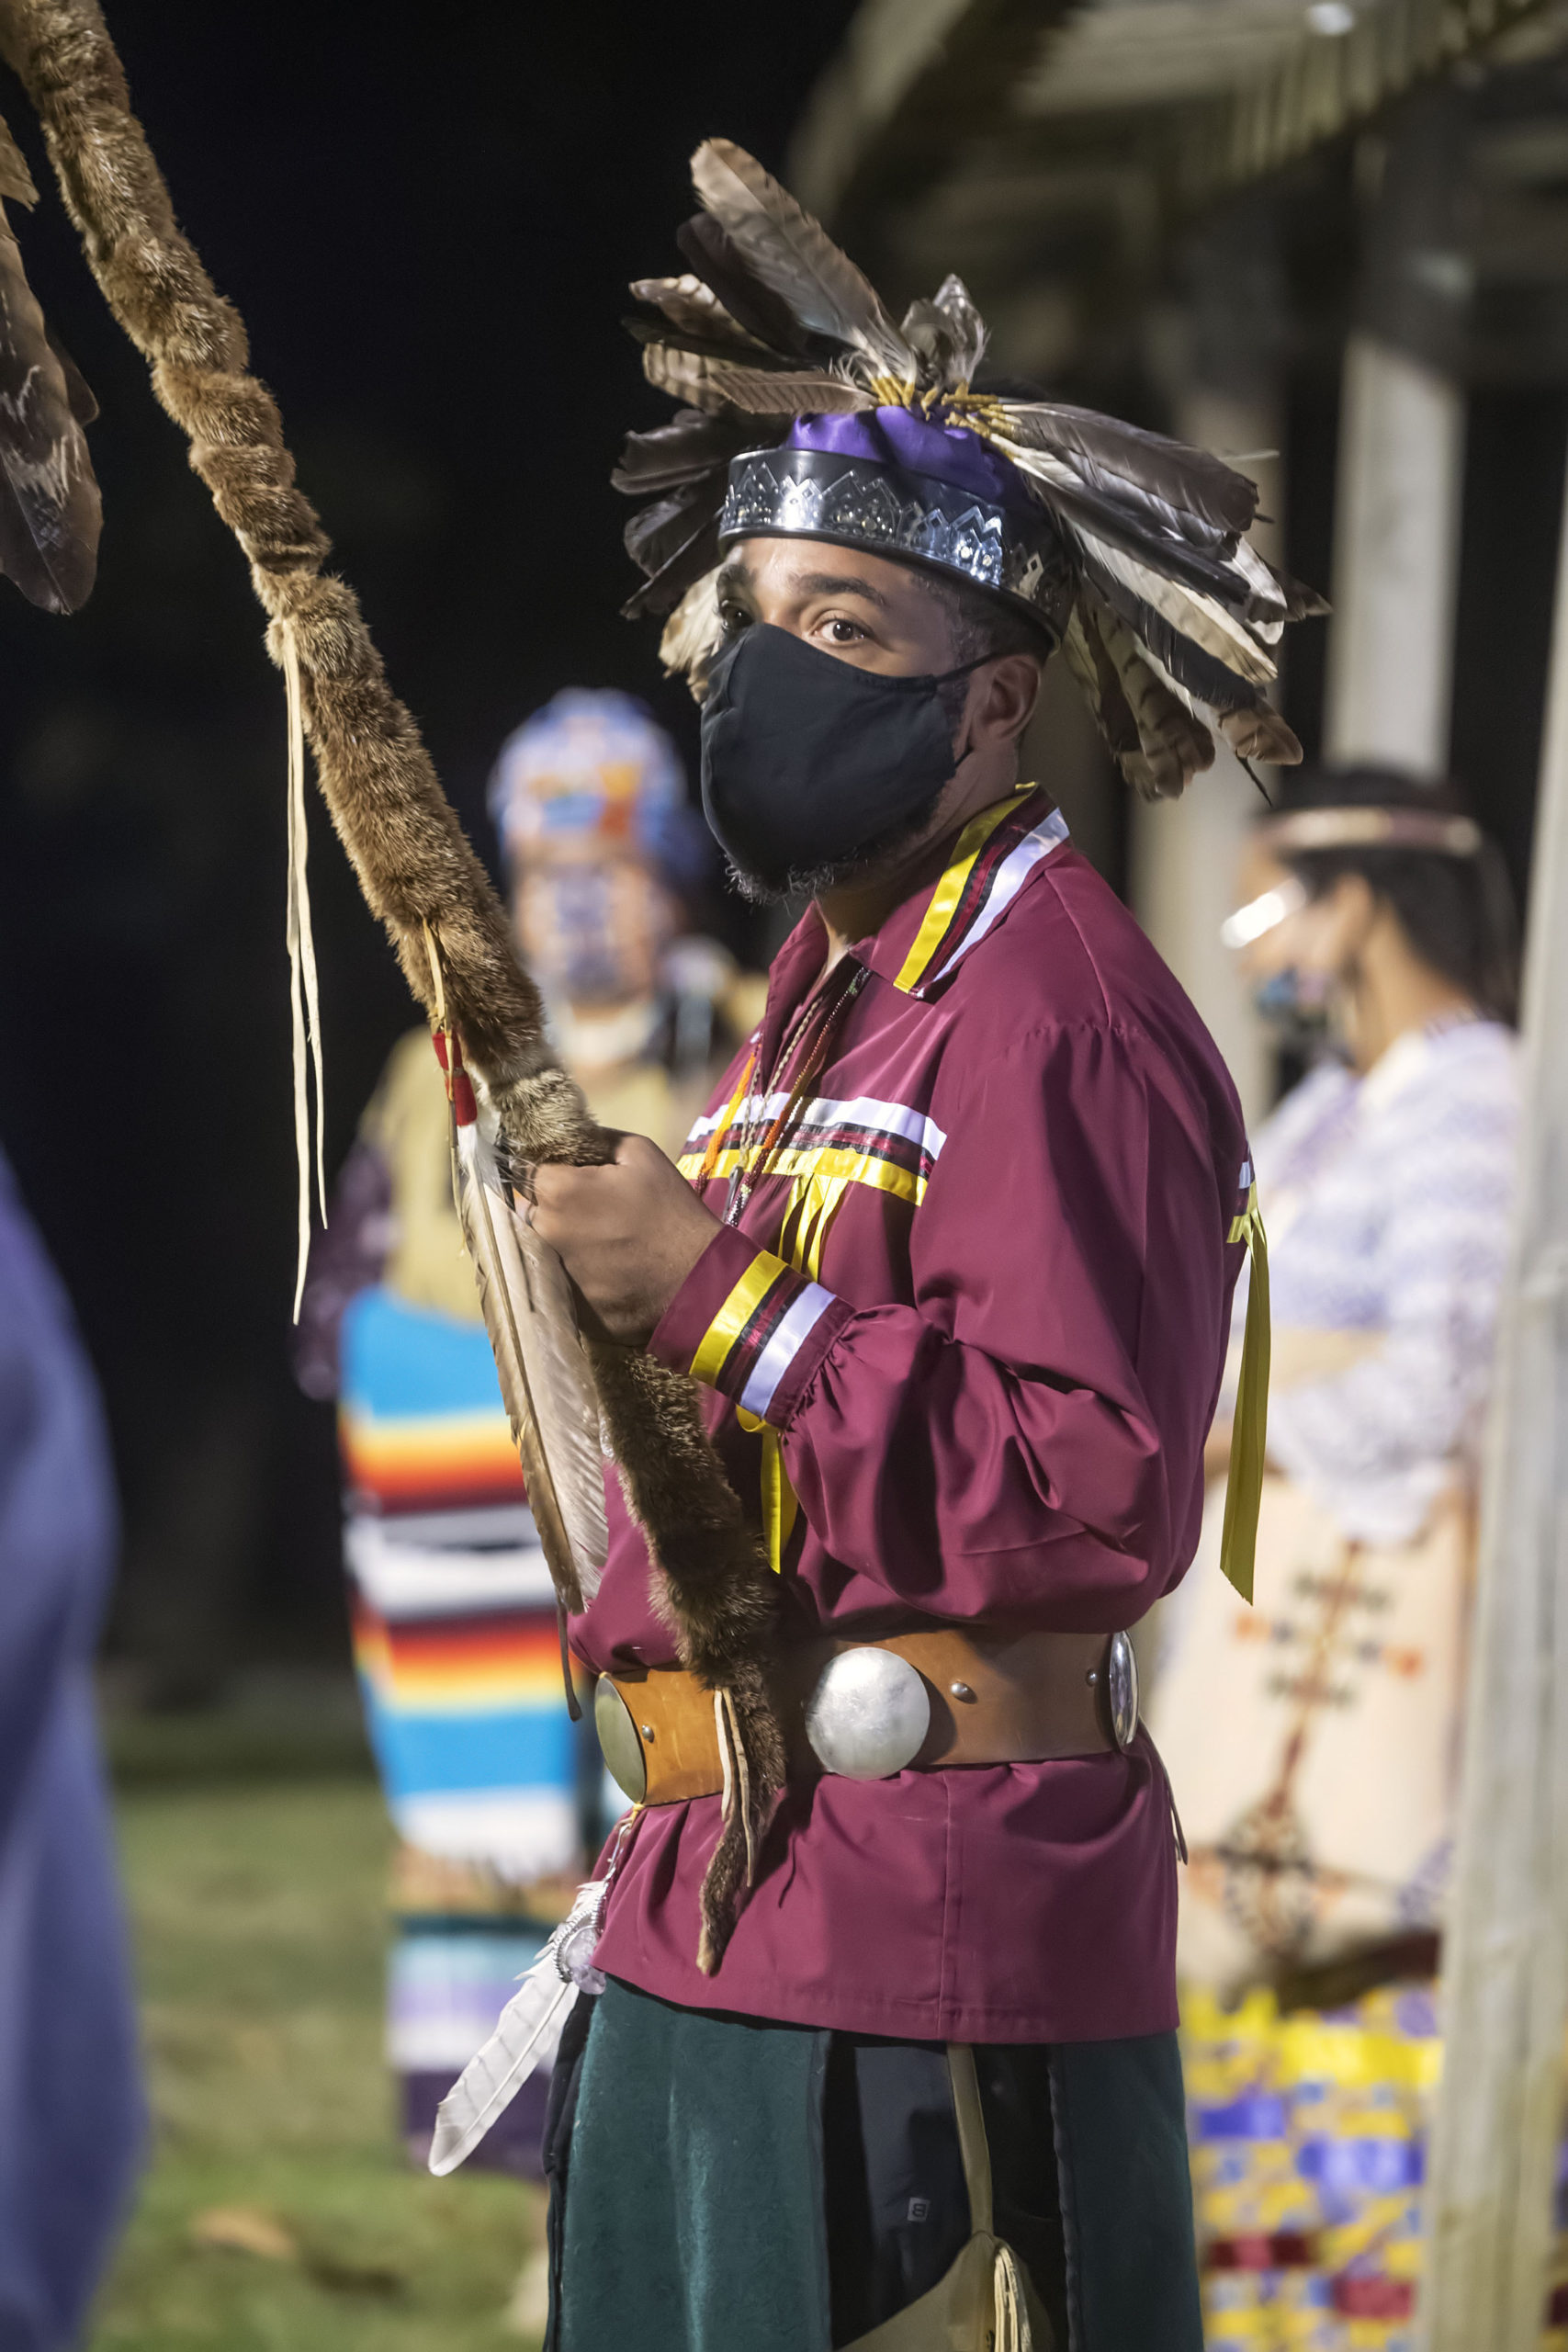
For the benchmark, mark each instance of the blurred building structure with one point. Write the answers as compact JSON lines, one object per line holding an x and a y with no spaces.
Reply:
{"x":1327,"y":237}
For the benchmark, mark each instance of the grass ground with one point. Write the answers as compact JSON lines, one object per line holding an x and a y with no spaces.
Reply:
{"x":258,"y":1912}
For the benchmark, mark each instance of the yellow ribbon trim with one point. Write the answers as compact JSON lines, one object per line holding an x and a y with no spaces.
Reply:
{"x":814,"y":1202}
{"x":779,"y":1504}
{"x":734,"y":1315}
{"x":1250,"y":1430}
{"x":833,"y":1161}
{"x":950,"y":889}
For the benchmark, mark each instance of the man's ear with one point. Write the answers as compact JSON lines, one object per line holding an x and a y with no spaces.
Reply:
{"x":1007,"y":692}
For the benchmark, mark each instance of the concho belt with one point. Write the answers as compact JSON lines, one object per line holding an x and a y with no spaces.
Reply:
{"x":867,"y":1710}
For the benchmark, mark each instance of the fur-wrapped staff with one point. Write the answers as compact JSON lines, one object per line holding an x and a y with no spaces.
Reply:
{"x":416,"y":867}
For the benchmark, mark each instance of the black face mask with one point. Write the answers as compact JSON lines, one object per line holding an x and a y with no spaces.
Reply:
{"x":807,"y":762}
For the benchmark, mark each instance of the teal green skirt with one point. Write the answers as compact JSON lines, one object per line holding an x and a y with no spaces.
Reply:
{"x":724,"y":2184}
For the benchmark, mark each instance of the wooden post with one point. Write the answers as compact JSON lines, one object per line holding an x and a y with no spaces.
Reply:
{"x":1221,"y":357}
{"x":1395,"y":561}
{"x":1505,"y":1950}
{"x":1185,"y":854}
{"x":1400,"y":471}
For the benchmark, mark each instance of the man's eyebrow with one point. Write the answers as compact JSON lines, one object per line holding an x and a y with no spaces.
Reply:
{"x":733,"y":580}
{"x":833,"y":584}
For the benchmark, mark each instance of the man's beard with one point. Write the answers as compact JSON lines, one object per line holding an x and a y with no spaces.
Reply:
{"x":802,"y":882}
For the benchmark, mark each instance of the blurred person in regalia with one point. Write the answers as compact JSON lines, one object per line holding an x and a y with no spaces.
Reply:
{"x":1312,"y":1740}
{"x":495,"y":1795}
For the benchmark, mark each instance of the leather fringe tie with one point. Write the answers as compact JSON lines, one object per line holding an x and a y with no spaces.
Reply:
{"x":304,"y":995}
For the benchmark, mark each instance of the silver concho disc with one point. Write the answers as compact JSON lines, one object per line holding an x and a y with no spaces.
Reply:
{"x":1121,"y":1689}
{"x":619,"y":1741}
{"x":868,"y":1715}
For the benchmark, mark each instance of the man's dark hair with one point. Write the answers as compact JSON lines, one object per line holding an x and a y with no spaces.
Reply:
{"x":1457,"y":912}
{"x":980,"y":627}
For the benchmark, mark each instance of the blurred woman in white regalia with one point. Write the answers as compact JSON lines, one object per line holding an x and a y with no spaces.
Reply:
{"x":1312,"y":1740}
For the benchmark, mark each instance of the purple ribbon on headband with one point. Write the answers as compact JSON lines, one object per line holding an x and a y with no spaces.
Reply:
{"x":947,"y":452}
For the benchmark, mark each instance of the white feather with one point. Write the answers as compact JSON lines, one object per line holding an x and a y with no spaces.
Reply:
{"x":527,"y":2033}
{"x":527,"y":2038}
{"x":545,"y":1383}
{"x":1266,"y":590}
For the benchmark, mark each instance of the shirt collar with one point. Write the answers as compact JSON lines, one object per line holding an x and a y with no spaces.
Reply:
{"x":923,"y":942}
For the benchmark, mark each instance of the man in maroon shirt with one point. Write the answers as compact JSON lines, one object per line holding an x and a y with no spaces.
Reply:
{"x":951,"y":1256}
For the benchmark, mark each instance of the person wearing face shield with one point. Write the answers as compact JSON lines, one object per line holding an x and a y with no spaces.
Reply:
{"x":1314,"y":1739}
{"x":890,"y":2060}
{"x":491,"y":1790}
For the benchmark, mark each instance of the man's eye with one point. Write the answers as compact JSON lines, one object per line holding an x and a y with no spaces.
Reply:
{"x":733,"y":618}
{"x":842,"y":632}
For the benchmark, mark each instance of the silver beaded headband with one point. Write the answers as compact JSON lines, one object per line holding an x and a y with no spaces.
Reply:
{"x":854,"y":502}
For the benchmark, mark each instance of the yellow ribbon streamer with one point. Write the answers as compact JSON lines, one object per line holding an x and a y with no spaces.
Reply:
{"x":1250,"y":1430}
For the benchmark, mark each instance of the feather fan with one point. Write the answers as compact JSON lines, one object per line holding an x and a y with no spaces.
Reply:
{"x":49,"y":511}
{"x":531,"y":1318}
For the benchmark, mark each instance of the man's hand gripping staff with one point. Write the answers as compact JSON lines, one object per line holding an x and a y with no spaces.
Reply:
{"x":416,"y":867}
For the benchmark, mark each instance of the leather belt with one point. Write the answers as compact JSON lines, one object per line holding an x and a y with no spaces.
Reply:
{"x":989,"y":1699}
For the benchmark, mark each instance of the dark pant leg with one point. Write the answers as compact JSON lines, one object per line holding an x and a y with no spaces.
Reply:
{"x":1026,"y":2199}
{"x":896,"y":2199}
{"x":893,"y":2182}
{"x":556,"y":2151}
{"x":1132,"y":2267}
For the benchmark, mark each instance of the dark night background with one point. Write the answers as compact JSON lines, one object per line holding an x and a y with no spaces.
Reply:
{"x":428,"y":223}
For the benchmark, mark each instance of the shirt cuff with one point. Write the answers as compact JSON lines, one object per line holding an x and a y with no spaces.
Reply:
{"x":747,"y":1325}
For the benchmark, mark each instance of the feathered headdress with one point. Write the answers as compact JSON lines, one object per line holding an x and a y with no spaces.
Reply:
{"x":810,"y":413}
